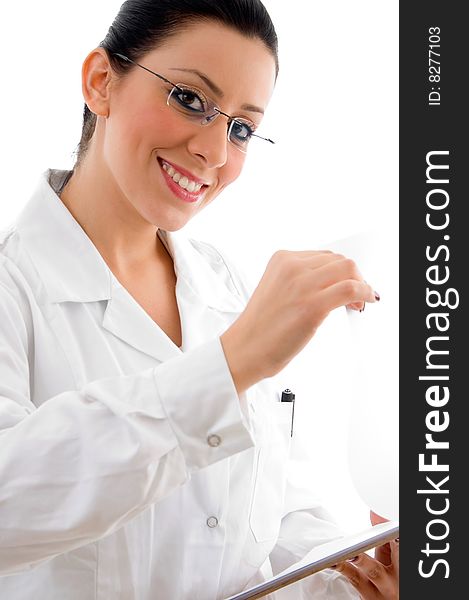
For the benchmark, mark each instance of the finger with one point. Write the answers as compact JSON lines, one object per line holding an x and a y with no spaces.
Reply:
{"x":310,"y":253}
{"x":394,"y":544}
{"x":302,"y":262}
{"x":317,"y":259}
{"x":303,"y":254}
{"x":383,"y":578}
{"x":383,"y":554}
{"x":357,"y":578}
{"x":335,"y":271}
{"x":360,"y":306}
{"x":367,"y":565}
{"x":344,"y":293}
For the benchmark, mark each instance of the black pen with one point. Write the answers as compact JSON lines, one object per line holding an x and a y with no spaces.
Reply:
{"x":289,"y":396}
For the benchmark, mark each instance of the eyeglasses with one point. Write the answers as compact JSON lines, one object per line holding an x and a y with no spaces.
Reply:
{"x":196,"y":106}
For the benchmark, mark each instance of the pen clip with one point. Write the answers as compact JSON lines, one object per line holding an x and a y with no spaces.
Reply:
{"x":289,"y":396}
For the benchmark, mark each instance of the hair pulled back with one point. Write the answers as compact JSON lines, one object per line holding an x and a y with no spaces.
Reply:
{"x":143,"y":25}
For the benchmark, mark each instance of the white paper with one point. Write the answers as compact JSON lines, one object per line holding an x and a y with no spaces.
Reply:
{"x":373,"y":445}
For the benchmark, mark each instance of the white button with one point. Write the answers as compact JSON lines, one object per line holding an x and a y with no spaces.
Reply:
{"x":214,"y":440}
{"x":212,"y":522}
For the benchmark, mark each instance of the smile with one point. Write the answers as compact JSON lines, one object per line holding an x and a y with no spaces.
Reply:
{"x":183,"y":181}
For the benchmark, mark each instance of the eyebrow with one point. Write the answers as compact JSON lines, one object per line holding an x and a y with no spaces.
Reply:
{"x":216,"y":90}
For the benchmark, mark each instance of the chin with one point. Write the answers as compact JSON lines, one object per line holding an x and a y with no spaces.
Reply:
{"x":162,"y":217}
{"x":170,"y":222}
{"x":173,"y":226}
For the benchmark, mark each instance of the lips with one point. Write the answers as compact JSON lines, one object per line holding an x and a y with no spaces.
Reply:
{"x":181,"y":182}
{"x":183,"y":171}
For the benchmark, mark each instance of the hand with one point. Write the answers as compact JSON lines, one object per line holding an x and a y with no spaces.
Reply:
{"x":296,"y":293}
{"x":378,"y":578}
{"x":371,"y":578}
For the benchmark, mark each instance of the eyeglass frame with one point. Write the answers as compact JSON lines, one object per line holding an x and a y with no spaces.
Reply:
{"x":231,"y":120}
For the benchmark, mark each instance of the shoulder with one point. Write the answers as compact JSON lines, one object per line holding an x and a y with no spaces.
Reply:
{"x":17,"y":282}
{"x":15,"y":298}
{"x":8,"y":251}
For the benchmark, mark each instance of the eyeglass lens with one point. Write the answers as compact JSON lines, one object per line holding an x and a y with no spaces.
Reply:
{"x":194,"y":105}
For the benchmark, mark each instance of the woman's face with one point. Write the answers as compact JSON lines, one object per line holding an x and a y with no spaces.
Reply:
{"x":146,"y":143}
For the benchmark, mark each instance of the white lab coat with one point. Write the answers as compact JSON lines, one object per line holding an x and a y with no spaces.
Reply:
{"x":129,"y":468}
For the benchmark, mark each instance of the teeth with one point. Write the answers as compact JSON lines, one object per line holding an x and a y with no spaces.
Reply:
{"x":182,"y":180}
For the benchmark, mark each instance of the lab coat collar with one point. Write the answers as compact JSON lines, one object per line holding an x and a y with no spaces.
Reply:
{"x":66,"y":260}
{"x":73,"y":270}
{"x":199,"y":274}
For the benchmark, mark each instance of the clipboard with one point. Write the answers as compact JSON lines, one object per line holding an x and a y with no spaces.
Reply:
{"x":324,"y":556}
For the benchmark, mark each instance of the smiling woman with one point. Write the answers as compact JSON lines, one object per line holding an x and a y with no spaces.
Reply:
{"x":143,"y":449}
{"x":163,"y":123}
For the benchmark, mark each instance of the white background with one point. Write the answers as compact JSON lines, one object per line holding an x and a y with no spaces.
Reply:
{"x":332,"y":174}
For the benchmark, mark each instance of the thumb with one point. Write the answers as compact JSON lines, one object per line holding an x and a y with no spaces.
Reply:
{"x":376,"y":519}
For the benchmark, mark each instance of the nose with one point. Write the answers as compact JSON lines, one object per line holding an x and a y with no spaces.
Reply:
{"x":210,"y":143}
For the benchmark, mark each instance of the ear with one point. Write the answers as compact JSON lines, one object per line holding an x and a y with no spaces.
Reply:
{"x":96,"y":78}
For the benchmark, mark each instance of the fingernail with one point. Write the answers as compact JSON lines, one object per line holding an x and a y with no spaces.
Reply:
{"x":377,"y":297}
{"x":354,"y":559}
{"x":397,"y":540}
{"x":333,"y":566}
{"x":362,"y":309}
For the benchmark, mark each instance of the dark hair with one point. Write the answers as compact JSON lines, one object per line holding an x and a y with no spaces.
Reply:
{"x":142,"y":25}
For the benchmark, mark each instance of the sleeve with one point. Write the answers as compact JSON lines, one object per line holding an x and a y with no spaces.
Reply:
{"x":306,"y":524}
{"x":86,"y":462}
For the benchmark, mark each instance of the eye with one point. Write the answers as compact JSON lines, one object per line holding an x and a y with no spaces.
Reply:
{"x":241,"y":131}
{"x":189,"y":99}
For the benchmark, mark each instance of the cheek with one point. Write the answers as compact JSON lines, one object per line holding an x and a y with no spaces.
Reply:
{"x":227,"y":174}
{"x":167,"y":129}
{"x":154,"y":128}
{"x":232,"y":170}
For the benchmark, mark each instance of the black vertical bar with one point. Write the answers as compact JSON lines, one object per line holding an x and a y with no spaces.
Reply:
{"x":433,"y":119}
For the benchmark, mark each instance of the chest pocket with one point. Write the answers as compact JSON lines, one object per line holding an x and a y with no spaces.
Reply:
{"x":270,"y":479}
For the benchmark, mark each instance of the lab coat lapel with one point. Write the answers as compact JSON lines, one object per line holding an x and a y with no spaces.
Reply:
{"x":207,"y":306}
{"x":127,"y":320}
{"x":72,"y":270}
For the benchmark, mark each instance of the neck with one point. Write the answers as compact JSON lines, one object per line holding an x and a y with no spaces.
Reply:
{"x":122,"y":236}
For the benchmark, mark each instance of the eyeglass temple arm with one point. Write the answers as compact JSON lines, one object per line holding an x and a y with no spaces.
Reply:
{"x":253,"y":134}
{"x":263,"y":138}
{"x":142,"y":67}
